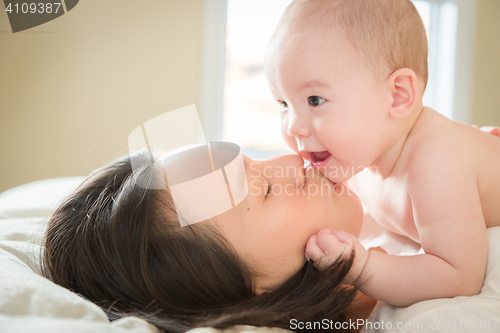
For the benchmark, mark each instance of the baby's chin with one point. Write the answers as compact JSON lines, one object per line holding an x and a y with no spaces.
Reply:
{"x":332,"y":169}
{"x":335,"y":175}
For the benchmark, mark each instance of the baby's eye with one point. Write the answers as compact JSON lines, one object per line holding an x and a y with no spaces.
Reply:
{"x":315,"y":100}
{"x":284,"y":106}
{"x":268,"y":189}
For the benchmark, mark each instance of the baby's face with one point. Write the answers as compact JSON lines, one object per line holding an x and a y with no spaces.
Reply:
{"x":333,"y":112}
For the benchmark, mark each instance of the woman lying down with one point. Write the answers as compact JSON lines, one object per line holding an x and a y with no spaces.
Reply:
{"x":122,"y":247}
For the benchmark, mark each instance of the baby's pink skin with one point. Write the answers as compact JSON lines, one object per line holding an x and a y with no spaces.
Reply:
{"x":425,"y":176}
{"x":327,"y":245}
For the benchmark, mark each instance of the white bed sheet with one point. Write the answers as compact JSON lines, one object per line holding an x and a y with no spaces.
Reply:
{"x":480,"y":313}
{"x":31,"y":303}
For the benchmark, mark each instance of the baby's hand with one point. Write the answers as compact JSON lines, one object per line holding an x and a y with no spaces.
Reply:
{"x":490,"y":129}
{"x":325,"y":247}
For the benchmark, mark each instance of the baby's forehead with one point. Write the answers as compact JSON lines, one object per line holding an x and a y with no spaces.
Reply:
{"x":305,"y":31}
{"x":296,"y":46}
{"x":385,"y":34}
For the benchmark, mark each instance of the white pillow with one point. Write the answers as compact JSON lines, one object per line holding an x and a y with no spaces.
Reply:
{"x":28,"y":301}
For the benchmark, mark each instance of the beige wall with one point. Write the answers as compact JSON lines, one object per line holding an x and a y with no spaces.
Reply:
{"x":486,"y":91}
{"x":72,"y":90}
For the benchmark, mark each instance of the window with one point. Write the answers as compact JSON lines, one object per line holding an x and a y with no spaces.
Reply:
{"x":250,"y":116}
{"x":440,"y":20}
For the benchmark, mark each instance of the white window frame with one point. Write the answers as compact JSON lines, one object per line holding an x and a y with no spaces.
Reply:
{"x":212,"y":68}
{"x":464,"y":60}
{"x":454,"y":79}
{"x":213,"y":50}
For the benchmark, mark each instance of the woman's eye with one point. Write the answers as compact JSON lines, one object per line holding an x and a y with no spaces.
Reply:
{"x":268,"y":189}
{"x":315,"y":100}
{"x":284,"y":106}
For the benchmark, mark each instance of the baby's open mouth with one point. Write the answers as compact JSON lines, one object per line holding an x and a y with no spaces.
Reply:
{"x":320,"y":159}
{"x":319,"y":156}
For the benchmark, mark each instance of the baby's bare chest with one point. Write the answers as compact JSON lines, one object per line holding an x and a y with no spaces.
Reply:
{"x":388,"y":203}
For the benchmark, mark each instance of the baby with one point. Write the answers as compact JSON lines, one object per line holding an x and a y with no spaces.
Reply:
{"x":349,"y":76}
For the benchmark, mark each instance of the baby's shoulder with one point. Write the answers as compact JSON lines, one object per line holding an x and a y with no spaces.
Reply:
{"x":434,"y":129}
{"x":436,"y":142}
{"x":436,"y":137}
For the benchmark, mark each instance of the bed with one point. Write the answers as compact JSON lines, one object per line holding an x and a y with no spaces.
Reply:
{"x":31,"y":303}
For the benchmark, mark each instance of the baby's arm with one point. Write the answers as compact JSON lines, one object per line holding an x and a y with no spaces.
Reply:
{"x":444,"y":192}
{"x":395,"y":280}
{"x":448,"y":215}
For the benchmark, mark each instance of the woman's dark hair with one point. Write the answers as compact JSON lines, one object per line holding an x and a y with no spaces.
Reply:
{"x":121,"y":246}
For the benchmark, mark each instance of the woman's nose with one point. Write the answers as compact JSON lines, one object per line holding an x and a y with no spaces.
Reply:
{"x":288,"y":169}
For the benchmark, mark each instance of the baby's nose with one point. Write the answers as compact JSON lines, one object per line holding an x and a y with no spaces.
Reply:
{"x":296,"y":125}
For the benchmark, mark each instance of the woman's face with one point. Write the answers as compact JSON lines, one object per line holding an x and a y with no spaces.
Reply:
{"x":285,"y":206}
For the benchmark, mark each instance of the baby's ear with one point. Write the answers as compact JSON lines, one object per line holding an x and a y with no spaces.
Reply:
{"x":403,"y":86}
